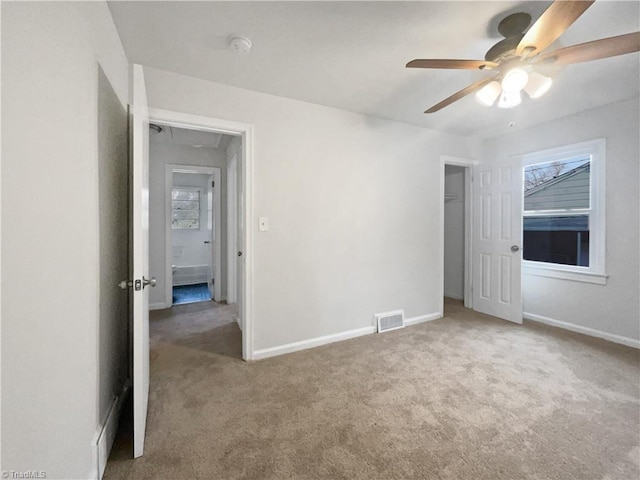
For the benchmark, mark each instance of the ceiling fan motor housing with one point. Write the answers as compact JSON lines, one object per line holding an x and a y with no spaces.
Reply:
{"x":512,"y":28}
{"x":503,"y":49}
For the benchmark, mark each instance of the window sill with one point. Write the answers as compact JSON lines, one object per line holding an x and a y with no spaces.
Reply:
{"x":565,"y":274}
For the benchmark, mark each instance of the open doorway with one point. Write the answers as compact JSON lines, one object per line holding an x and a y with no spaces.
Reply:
{"x":194,"y":234}
{"x":189,"y":229}
{"x":456,"y":232}
{"x":233,"y":140}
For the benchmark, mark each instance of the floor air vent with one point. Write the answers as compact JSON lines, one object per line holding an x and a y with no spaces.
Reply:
{"x":390,"y":320}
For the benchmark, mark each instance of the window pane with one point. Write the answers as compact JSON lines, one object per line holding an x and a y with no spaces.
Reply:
{"x":561,"y":239}
{"x":178,"y":194}
{"x":185,"y":224}
{"x":185,"y":205}
{"x":186,"y":214}
{"x":558,"y":185}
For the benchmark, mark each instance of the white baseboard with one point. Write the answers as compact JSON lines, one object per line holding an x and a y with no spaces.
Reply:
{"x":109,"y":430}
{"x":336,"y":337}
{"x":312,"y":342}
{"x":158,"y":306}
{"x":629,"y":342}
{"x":422,"y":318}
{"x":455,"y":296}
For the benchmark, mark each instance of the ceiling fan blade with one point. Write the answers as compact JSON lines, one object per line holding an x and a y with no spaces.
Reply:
{"x":458,"y":95}
{"x":585,"y":52}
{"x":551,"y":24}
{"x":452,"y":64}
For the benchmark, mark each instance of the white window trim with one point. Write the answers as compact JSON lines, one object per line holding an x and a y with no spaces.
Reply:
{"x":200,"y":193}
{"x":595,"y":273}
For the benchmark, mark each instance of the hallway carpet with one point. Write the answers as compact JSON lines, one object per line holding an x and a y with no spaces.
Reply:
{"x":464,"y":397}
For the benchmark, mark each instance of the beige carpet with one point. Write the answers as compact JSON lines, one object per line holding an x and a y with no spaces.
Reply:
{"x":465,"y":397}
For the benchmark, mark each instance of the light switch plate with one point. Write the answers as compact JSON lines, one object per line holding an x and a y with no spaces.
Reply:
{"x":263,"y":224}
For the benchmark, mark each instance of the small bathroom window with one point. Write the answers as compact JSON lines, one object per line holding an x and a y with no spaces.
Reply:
{"x":185,"y":208}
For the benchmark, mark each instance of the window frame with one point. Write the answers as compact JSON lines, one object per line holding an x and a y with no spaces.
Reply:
{"x":190,"y":189}
{"x":595,"y":272}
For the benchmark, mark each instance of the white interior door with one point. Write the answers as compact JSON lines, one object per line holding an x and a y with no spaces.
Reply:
{"x":241,"y":256}
{"x":497,"y":240}
{"x":140,"y":228}
{"x":212,"y":237}
{"x":232,"y":231}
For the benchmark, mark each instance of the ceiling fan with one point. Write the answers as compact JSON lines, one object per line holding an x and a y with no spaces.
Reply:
{"x":516,"y":57}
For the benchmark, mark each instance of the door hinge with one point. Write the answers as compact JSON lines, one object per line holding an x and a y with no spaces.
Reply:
{"x":213,"y":281}
{"x":213,"y":184}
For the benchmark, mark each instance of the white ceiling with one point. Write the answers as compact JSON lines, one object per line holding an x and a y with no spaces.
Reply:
{"x":191,"y":138}
{"x":352,"y":55}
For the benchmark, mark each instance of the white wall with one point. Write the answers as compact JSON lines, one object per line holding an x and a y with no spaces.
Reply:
{"x":353,"y":204}
{"x":454,"y":232}
{"x":160,"y":155}
{"x":188,"y":245}
{"x":113,"y":172}
{"x":613,"y":308}
{"x":51,"y":53}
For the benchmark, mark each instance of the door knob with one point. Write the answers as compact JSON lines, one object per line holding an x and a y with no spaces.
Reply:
{"x":152,"y":281}
{"x":239,"y":254}
{"x":515,"y":248}
{"x":207,"y":241}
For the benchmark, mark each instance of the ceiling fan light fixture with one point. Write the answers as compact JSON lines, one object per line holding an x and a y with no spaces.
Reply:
{"x":488,"y":94}
{"x":509,"y":99}
{"x":537,"y":85}
{"x":515,"y":80}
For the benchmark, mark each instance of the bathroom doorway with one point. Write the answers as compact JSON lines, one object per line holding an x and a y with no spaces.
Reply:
{"x":195,"y":235}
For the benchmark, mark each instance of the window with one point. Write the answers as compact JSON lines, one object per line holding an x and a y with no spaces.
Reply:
{"x":185,"y":206}
{"x":563,"y":214}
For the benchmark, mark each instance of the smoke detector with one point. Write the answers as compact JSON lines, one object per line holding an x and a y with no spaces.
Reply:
{"x":240,"y":44}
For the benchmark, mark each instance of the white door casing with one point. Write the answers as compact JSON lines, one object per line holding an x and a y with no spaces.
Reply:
{"x":140,"y":254}
{"x":497,"y":239}
{"x":212,"y":238}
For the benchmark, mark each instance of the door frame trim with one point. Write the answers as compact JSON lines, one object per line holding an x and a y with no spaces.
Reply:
{"x":245,"y":132}
{"x":468,"y":164}
{"x":170,"y":169}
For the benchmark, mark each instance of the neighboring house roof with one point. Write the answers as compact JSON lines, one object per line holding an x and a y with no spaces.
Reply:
{"x":555,"y":224}
{"x":566,"y":191}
